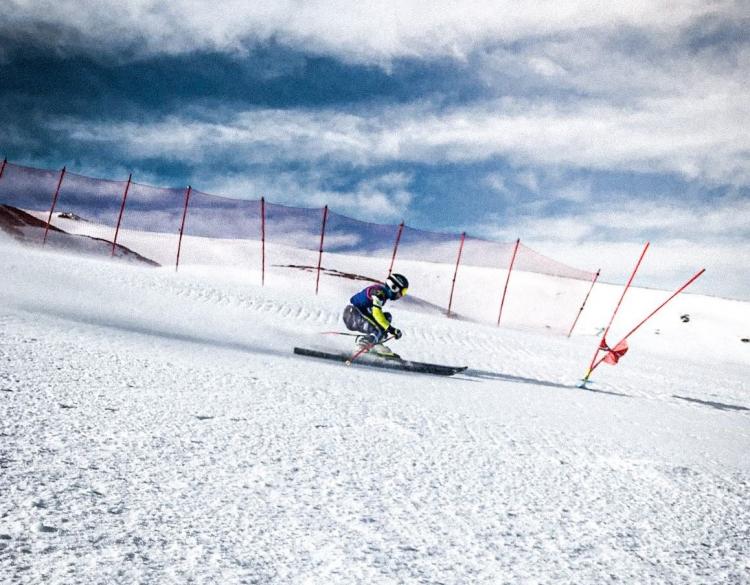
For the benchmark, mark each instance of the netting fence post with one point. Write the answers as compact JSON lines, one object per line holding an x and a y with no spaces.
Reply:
{"x":507,"y":280}
{"x":182,"y":226}
{"x":263,"y":241}
{"x":602,"y":344}
{"x":593,"y":282}
{"x":2,"y":168}
{"x":54,"y":203}
{"x":320,"y":252}
{"x":455,"y":273}
{"x":395,"y":247}
{"x":122,"y":210}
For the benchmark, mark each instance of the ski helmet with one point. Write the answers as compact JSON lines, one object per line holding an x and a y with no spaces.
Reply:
{"x":397,"y":283}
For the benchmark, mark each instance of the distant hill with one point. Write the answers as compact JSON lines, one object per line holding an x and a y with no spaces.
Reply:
{"x":28,"y":229}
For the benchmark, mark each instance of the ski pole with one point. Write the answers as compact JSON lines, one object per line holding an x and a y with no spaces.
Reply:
{"x":340,"y":333}
{"x":593,"y":282}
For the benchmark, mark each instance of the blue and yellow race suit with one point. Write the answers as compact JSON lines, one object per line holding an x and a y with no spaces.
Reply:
{"x":365,"y":314}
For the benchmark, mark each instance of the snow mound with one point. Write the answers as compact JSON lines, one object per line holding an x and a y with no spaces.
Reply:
{"x":29,"y":229}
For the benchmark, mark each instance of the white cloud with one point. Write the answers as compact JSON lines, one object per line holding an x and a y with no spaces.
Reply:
{"x":700,"y":139}
{"x":725,"y":220}
{"x":578,"y":191}
{"x":375,"y":31}
{"x":497,"y":183}
{"x":546,"y":67}
{"x":684,"y":238}
{"x":384,"y":198}
{"x":654,"y":108}
{"x":610,"y":63}
{"x":529,"y":180}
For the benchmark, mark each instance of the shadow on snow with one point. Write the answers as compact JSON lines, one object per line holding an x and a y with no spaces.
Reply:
{"x":716,"y":405}
{"x":486,"y":375}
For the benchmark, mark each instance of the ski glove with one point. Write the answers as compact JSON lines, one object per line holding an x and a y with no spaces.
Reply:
{"x":395,"y":332}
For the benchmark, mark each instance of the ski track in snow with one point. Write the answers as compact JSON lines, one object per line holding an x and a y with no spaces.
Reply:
{"x":177,"y":440}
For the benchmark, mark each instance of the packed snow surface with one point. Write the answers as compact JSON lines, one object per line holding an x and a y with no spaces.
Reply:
{"x":155,"y":427}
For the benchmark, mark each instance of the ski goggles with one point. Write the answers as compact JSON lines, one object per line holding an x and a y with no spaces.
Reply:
{"x":399,"y":292}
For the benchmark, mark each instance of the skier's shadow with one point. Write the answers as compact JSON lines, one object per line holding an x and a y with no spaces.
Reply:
{"x":487,"y":375}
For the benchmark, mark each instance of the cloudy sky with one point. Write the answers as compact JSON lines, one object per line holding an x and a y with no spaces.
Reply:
{"x":583,"y":127}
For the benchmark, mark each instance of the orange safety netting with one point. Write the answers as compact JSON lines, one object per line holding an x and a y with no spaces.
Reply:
{"x":154,"y":223}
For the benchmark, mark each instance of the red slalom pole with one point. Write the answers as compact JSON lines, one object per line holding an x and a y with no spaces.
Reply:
{"x":455,"y":273}
{"x":182,"y":226}
{"x":2,"y":168}
{"x":507,"y":280}
{"x":617,"y":308}
{"x":395,"y":247}
{"x":320,"y":252}
{"x":656,"y":310}
{"x":593,"y":282}
{"x":263,"y":241}
{"x":122,"y":209}
{"x":54,"y":203}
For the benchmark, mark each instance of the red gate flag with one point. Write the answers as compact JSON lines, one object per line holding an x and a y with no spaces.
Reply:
{"x":621,"y":348}
{"x":614,"y":354}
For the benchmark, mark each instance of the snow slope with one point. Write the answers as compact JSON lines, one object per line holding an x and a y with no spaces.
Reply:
{"x":533,"y":300}
{"x":156,"y":428}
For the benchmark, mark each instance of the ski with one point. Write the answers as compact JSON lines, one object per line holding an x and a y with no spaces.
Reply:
{"x":388,"y":364}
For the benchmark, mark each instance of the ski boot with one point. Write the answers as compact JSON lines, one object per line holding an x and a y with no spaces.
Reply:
{"x":368,"y":343}
{"x":383,"y":351}
{"x":365,"y":341}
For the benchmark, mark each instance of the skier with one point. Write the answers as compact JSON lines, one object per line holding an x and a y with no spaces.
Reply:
{"x":365,"y":314}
